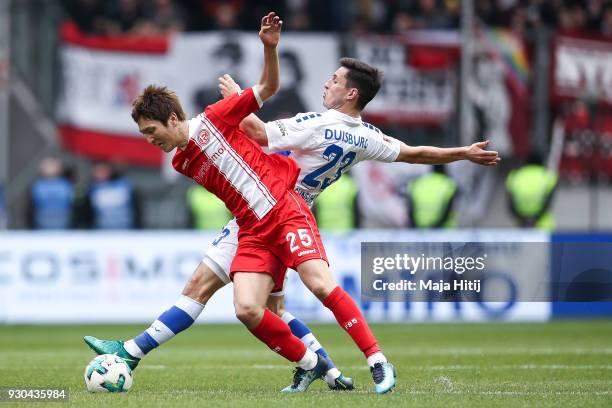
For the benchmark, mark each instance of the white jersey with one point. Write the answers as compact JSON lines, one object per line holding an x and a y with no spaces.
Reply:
{"x":326,"y":145}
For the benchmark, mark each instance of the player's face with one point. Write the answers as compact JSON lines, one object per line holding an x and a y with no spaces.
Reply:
{"x":335,"y":91}
{"x":159,"y":135}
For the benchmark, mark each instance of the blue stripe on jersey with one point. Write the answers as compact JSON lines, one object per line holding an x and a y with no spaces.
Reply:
{"x":369,"y":126}
{"x":284,"y":153}
{"x":176,"y":319}
{"x":145,"y":342}
{"x":306,"y":117}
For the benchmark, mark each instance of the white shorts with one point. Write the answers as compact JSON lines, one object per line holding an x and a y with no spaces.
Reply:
{"x":221,"y":252}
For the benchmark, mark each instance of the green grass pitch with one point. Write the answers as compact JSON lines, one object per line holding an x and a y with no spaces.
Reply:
{"x":558,"y":364}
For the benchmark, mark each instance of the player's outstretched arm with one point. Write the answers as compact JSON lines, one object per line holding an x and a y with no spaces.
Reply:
{"x":253,"y":126}
{"x":475,"y":153}
{"x":269,"y":34}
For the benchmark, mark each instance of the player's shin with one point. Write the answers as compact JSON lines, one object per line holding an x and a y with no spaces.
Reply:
{"x":170,"y":323}
{"x":303,"y":332}
{"x":275,"y":333}
{"x":352,"y":321}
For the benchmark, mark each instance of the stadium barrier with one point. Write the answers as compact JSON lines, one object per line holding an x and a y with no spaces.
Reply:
{"x":87,"y":277}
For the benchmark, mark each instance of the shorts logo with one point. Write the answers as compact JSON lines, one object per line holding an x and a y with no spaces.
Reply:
{"x":203,"y":137}
{"x":308,"y":252}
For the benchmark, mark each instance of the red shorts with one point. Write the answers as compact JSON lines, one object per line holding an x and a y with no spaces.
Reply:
{"x":285,"y":238}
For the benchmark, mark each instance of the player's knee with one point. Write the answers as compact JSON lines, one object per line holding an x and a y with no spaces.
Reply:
{"x":248,"y":313}
{"x":317,"y":278}
{"x":319,"y":286}
{"x":192,"y":287}
{"x":321,"y":290}
{"x":201,"y":285}
{"x":276,"y":305}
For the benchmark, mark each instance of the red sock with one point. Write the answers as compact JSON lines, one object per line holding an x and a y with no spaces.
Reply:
{"x":350,"y":318}
{"x":277,"y":335}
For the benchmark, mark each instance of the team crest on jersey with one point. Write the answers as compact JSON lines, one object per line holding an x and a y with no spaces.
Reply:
{"x":204,"y":137}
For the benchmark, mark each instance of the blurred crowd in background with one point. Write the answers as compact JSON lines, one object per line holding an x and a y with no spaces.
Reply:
{"x":57,"y":201}
{"x":423,"y":197}
{"x":110,"y":201}
{"x":152,"y":17}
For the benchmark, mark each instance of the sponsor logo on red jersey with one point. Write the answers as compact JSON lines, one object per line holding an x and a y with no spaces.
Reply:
{"x":204,"y":137}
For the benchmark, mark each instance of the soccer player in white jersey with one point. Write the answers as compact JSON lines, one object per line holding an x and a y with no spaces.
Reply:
{"x":325,"y":145}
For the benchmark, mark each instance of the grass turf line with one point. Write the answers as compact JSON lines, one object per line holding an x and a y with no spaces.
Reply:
{"x":566,"y":363}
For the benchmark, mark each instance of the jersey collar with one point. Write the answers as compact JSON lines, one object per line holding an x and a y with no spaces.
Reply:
{"x":349,"y":120}
{"x":194,"y":126}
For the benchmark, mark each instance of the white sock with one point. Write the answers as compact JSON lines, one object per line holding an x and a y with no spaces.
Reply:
{"x":309,"y":361}
{"x":180,"y":317}
{"x":376,"y":358}
{"x":287,"y":317}
{"x":131,"y":347}
{"x":311,"y":342}
{"x":331,"y":375}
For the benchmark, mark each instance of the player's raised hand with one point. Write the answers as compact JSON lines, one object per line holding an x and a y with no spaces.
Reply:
{"x":271,"y":25}
{"x":227,"y":86}
{"x":476,"y":153}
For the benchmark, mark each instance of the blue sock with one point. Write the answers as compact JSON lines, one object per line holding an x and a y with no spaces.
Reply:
{"x":170,"y":323}
{"x":301,"y":331}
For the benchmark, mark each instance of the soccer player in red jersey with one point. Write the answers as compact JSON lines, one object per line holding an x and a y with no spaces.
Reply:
{"x":277,"y":229}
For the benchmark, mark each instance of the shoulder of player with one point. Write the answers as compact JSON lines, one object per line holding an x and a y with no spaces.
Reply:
{"x":371,"y":129}
{"x":375,"y":134}
{"x":307,"y":119}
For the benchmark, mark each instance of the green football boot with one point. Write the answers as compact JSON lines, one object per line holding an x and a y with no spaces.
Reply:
{"x":111,"y":347}
{"x":384,"y":376}
{"x":303,"y":378}
{"x":342,"y":383}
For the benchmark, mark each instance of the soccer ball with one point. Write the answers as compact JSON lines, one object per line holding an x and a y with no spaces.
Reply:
{"x":108,"y":373}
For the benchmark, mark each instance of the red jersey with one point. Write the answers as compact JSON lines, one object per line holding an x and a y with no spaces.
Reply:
{"x":224,"y":160}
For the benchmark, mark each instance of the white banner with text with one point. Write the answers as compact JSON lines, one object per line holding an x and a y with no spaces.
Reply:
{"x":88,"y":277}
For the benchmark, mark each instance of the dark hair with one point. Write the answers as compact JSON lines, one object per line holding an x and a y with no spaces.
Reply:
{"x":439,"y":168}
{"x":364,"y":77}
{"x":157,"y":103}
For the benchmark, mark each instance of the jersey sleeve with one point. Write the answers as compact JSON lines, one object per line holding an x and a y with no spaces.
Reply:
{"x":236,"y":107}
{"x":290,"y":134}
{"x":383,"y":148}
